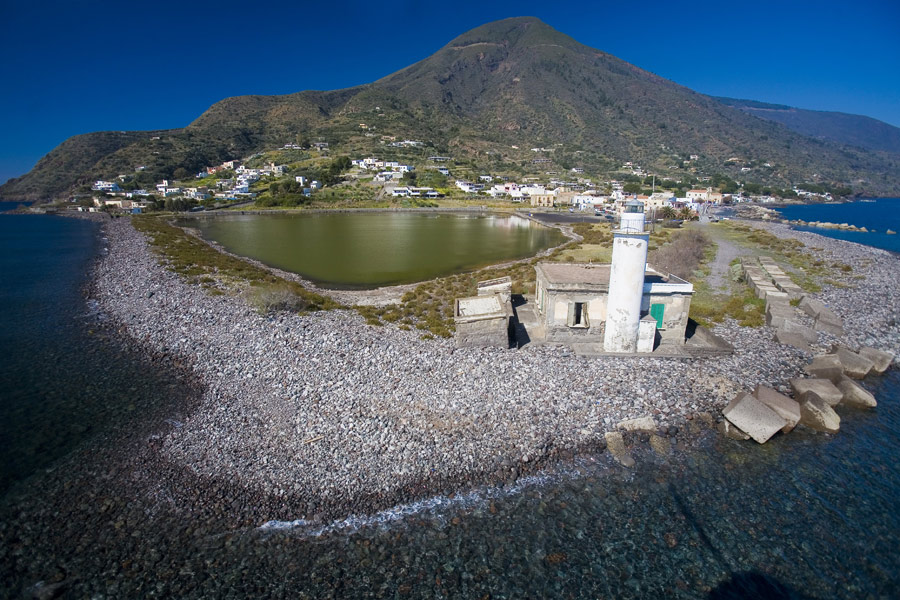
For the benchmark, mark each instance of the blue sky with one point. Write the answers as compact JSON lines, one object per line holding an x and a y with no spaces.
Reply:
{"x":73,"y":67}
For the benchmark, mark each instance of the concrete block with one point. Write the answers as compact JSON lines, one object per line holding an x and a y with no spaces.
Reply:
{"x":787,"y":408}
{"x":640,"y":424}
{"x":881,"y":360}
{"x":854,"y":365}
{"x":764,"y":290}
{"x":777,"y":296}
{"x":753,"y":417}
{"x":855,"y":394}
{"x":822,"y":388}
{"x":791,"y":339}
{"x":816,"y":414}
{"x":825,"y":366}
{"x":797,"y":328}
{"x":730,"y":431}
{"x":811,"y":306}
{"x":835,"y":329}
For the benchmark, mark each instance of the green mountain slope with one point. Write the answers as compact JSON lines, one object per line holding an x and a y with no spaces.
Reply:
{"x":843,"y":128}
{"x":491,"y":94}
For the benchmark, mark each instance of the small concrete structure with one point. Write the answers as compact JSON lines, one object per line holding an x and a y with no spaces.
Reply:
{"x":500,"y":285}
{"x":483,"y":320}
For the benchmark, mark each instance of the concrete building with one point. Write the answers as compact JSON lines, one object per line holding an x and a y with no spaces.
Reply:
{"x":626,"y":305}
{"x":485,"y":319}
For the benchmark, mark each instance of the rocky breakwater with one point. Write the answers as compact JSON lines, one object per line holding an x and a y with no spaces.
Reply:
{"x":322,"y":415}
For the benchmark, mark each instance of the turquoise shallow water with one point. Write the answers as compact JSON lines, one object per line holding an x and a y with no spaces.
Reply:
{"x":875,"y":215}
{"x":805,"y":516}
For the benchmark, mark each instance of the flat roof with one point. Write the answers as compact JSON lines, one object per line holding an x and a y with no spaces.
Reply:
{"x":479,"y":305}
{"x":569,"y":274}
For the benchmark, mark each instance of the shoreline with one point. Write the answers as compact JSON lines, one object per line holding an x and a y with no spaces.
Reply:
{"x":415,"y":435}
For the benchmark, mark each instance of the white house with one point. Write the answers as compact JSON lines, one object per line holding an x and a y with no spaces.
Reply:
{"x":106,"y":186}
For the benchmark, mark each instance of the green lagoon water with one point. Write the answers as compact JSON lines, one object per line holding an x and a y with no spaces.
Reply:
{"x":367,"y":250}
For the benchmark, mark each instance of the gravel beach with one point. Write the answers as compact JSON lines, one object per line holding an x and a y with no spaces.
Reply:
{"x":320,"y":416}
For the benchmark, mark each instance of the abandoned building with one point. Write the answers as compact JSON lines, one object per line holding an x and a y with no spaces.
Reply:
{"x":622,"y":307}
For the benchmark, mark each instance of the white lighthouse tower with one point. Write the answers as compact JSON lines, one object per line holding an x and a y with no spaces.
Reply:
{"x":626,"y":281}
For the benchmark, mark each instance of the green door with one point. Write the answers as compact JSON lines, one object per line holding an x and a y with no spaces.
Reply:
{"x":656,"y":311}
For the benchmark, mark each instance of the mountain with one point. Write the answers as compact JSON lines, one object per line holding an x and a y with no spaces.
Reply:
{"x":843,"y":128}
{"x":487,"y":98}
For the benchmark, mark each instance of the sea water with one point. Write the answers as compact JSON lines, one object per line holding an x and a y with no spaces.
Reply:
{"x":878,"y":216}
{"x":804,"y":516}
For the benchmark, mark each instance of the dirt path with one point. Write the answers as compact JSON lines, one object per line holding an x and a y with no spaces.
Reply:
{"x":719,"y":277}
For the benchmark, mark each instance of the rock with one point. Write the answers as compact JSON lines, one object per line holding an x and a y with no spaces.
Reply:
{"x":811,"y":306}
{"x":791,"y":339}
{"x":825,"y":366}
{"x":616,"y":445}
{"x":787,"y":408}
{"x":881,"y":360}
{"x":822,"y":388}
{"x":660,"y":445}
{"x":855,"y":394}
{"x":639,"y":424}
{"x":816,"y":414}
{"x":753,"y":417}
{"x":854,"y":365}
{"x":730,"y":431}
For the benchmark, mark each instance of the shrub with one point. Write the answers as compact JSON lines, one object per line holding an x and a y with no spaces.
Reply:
{"x":275,"y":297}
{"x":683,"y":255}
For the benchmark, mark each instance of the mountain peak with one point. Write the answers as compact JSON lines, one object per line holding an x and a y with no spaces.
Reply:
{"x":514,"y":32}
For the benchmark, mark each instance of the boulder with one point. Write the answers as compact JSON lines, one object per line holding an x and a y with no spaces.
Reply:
{"x":615,"y":443}
{"x":816,"y":414}
{"x":825,"y":366}
{"x":854,"y":365}
{"x":855,"y":394}
{"x":640,"y":424}
{"x":811,"y":306}
{"x":753,"y":417}
{"x":822,"y":388}
{"x":881,"y":360}
{"x":787,"y":408}
{"x":730,"y":431}
{"x":791,"y":339}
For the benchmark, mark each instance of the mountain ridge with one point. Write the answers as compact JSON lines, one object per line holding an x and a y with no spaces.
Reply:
{"x":514,"y":82}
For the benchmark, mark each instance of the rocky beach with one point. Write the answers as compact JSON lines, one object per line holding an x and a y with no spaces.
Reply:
{"x":300,"y":421}
{"x":319,"y":416}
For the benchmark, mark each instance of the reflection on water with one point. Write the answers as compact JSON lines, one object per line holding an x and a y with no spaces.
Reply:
{"x":381,"y":248}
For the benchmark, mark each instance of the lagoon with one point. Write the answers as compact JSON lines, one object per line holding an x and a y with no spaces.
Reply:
{"x":367,"y":250}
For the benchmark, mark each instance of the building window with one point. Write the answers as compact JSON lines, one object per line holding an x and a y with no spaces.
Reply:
{"x":578,"y":314}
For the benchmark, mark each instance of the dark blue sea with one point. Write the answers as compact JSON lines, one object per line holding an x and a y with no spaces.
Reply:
{"x":876,"y":215}
{"x":804,"y":516}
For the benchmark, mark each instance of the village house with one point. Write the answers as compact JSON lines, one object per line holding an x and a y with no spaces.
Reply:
{"x":106,"y":186}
